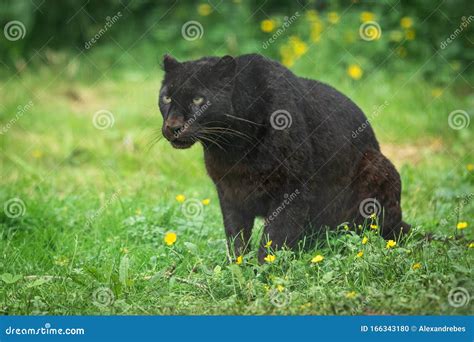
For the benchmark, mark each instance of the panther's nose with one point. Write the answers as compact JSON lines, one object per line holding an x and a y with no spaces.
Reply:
{"x":174,"y":127}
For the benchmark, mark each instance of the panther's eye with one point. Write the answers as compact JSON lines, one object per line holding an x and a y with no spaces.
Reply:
{"x":198,"y":100}
{"x":166,"y":99}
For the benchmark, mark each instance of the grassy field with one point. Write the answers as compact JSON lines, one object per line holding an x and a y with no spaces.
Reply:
{"x":86,"y":233}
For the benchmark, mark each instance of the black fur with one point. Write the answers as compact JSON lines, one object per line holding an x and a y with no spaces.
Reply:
{"x":312,"y":174}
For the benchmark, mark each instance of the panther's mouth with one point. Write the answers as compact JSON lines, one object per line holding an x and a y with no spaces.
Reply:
{"x":182,"y":143}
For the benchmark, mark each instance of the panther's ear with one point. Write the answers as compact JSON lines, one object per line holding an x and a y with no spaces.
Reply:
{"x":226,"y":66}
{"x":169,"y":63}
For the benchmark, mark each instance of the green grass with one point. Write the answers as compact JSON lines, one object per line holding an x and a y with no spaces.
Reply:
{"x":98,"y":203}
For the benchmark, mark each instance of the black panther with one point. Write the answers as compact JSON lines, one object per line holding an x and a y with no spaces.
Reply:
{"x":291,"y":150}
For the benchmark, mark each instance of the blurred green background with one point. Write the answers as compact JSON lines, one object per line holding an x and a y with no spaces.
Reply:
{"x":96,"y":198}
{"x":324,"y":33}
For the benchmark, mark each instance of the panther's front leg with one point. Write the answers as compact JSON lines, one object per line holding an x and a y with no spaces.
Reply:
{"x":284,"y":226}
{"x":238,"y":224}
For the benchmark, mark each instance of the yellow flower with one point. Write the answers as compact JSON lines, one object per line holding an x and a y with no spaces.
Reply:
{"x":306,"y":305}
{"x":317,"y":258}
{"x":288,"y":62}
{"x":354,"y":71}
{"x":180,"y":198}
{"x":437,"y":92}
{"x":270,"y":258}
{"x":346,"y":227}
{"x":170,"y":238}
{"x":416,"y":266}
{"x":396,"y":36}
{"x":204,"y":9}
{"x":61,"y":261}
{"x":268,"y":244}
{"x":374,"y":226}
{"x":316,"y":30}
{"x":373,"y":215}
{"x":367,"y":16}
{"x":401,"y":51}
{"x":410,"y":34}
{"x":360,"y":254}
{"x":365,"y":240}
{"x":470,"y":167}
{"x":471,"y":245}
{"x":333,"y":17}
{"x":267,"y":25}
{"x":280,"y":288}
{"x":461,"y":225}
{"x":351,"y":295}
{"x":406,"y":22}
{"x":312,"y":15}
{"x":292,"y":50}
{"x":390,"y":244}
{"x":456,"y":65}
{"x":206,"y":201}
{"x":37,"y":154}
{"x":299,"y":47}
{"x":239,"y":260}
